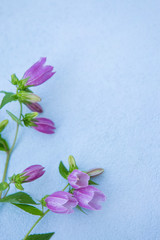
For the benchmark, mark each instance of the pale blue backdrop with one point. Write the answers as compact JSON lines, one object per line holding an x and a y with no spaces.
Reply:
{"x":105,"y":102}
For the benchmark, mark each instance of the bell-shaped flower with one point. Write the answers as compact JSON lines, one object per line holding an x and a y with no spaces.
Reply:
{"x":32,"y":173}
{"x":34,"y":107}
{"x":78,"y":179}
{"x":43,"y":125}
{"x":61,"y":202}
{"x":38,"y":73}
{"x":89,"y":197}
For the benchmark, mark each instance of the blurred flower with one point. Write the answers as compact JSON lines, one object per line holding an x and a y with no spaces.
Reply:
{"x":44,"y":125}
{"x":32,"y":173}
{"x":61,"y":202}
{"x":78,"y":179}
{"x":89,"y":197}
{"x":34,"y":107}
{"x":95,"y":172}
{"x":38,"y":73}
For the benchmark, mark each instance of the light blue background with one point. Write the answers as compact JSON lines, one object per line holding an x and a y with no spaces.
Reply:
{"x":105,"y":102}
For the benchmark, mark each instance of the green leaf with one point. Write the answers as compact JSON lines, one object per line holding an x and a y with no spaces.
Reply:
{"x":14,"y":118}
{"x":3,"y":145}
{"x":63,"y":170}
{"x":19,"y":197}
{"x":9,"y":97}
{"x":30,"y":209}
{"x":3,"y":186}
{"x":80,"y":209}
{"x":45,"y":236}
{"x":92,"y":183}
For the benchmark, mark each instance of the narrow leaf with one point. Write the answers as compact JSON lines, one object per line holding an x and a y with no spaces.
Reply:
{"x":45,"y":236}
{"x":19,"y":197}
{"x":63,"y":170}
{"x":14,"y":118}
{"x":9,"y":97}
{"x":92,"y":183}
{"x":80,"y":209}
{"x":30,"y":209}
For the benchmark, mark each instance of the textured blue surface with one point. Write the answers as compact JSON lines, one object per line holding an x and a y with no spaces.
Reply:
{"x":105,"y":102}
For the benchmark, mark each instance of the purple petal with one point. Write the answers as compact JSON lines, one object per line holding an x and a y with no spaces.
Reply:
{"x":78,"y":179}
{"x":34,"y":68}
{"x":33,"y":172}
{"x":44,"y":125}
{"x":34,"y":107}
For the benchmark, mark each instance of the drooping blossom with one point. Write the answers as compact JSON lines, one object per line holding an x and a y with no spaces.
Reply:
{"x":38,"y":73}
{"x":32,"y":173}
{"x":61,"y":202}
{"x":43,"y":125}
{"x":34,"y":107}
{"x":89,"y":197}
{"x":78,"y":179}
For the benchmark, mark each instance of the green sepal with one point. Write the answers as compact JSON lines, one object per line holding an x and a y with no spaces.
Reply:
{"x":14,"y":79}
{"x":9,"y":97}
{"x":44,"y":236}
{"x":19,"y":186}
{"x":3,"y":145}
{"x":14,"y":118}
{"x":3,"y":186}
{"x":30,"y":209}
{"x":80,"y":209}
{"x":18,"y":198}
{"x":72,"y":163}
{"x":63,"y":170}
{"x":90,"y":182}
{"x":42,"y":201}
{"x":21,"y":84}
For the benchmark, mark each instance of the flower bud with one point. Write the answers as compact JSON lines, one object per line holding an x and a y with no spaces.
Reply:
{"x":95,"y":172}
{"x":28,"y":97}
{"x":72,"y":163}
{"x":14,"y":79}
{"x":32,"y":173}
{"x":34,"y":107}
{"x":3,"y":124}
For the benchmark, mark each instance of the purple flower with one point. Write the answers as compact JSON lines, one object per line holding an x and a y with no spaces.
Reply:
{"x":32,"y":173}
{"x":38,"y":73}
{"x":61,"y":202}
{"x":78,"y":179}
{"x":89,"y":197}
{"x":34,"y":107}
{"x":44,"y":125}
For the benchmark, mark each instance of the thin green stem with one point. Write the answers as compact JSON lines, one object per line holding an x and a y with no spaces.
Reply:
{"x":65,"y":187}
{"x":39,"y":219}
{"x":7,"y":191}
{"x":11,"y":149}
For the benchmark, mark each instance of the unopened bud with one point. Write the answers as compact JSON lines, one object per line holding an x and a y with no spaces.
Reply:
{"x":3,"y":124}
{"x":14,"y":79}
{"x":72,"y":163}
{"x":28,"y":97}
{"x":95,"y":172}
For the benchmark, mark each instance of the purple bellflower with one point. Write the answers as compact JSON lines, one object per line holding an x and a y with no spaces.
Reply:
{"x":38,"y":73}
{"x":89,"y":197}
{"x":61,"y":202}
{"x":44,"y":125}
{"x":34,"y":107}
{"x":78,"y":179}
{"x":32,"y":173}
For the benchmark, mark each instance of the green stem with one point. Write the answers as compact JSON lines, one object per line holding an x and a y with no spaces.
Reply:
{"x":39,"y":219}
{"x":11,"y":149}
{"x":7,"y":191}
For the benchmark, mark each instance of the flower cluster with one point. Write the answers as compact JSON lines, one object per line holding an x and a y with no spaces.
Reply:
{"x":78,"y":193}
